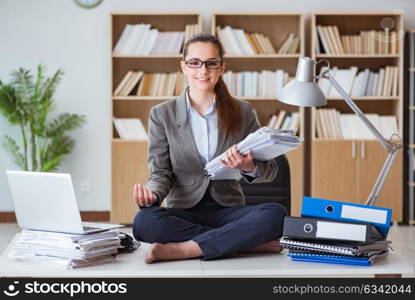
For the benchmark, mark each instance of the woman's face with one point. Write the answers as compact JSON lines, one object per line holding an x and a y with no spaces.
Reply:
{"x":202,"y":77}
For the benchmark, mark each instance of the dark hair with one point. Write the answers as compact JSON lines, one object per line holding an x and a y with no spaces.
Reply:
{"x":229,"y":115}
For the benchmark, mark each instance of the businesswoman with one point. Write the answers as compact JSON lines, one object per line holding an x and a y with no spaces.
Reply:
{"x":203,"y":217}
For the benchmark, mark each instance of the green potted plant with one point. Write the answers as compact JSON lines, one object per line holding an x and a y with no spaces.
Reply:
{"x":26,"y":103}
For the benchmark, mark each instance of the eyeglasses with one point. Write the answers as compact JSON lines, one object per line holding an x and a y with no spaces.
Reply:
{"x":197,"y":63}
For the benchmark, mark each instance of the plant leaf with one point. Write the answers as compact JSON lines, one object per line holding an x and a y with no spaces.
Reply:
{"x":11,"y":146}
{"x":59,"y":146}
{"x":22,"y":81}
{"x":63,"y":123}
{"x":8,"y":104}
{"x":52,"y":165}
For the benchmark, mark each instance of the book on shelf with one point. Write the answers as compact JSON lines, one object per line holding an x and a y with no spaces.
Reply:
{"x":141,"y":39}
{"x":236,"y":41}
{"x":331,"y":124}
{"x":168,"y":43}
{"x":130,"y":129}
{"x":253,"y":42}
{"x":191,"y":30}
{"x":127,"y":84}
{"x":242,"y":40}
{"x":330,"y":41}
{"x":256,"y":84}
{"x":322,"y":37}
{"x":383,"y":82}
{"x":150,"y":84}
{"x":345,"y":77}
{"x":256,"y":116}
{"x":281,"y":116}
{"x":284,"y":120}
{"x":290,"y":45}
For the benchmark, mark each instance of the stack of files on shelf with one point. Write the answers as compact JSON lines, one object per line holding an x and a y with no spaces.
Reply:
{"x":130,"y":129}
{"x":337,"y":232}
{"x":138,"y":83}
{"x":141,"y":39}
{"x":66,"y":250}
{"x":331,"y":124}
{"x":382,"y":82}
{"x":256,"y":84}
{"x":236,"y":41}
{"x":282,"y":119}
{"x":265,"y":143}
{"x":366,"y":42}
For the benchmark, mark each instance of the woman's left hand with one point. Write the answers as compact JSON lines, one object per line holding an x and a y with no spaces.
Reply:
{"x":234,"y":159}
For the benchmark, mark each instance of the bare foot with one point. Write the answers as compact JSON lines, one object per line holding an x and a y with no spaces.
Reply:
{"x":271,"y":246}
{"x":153,"y":252}
{"x":172,"y":251}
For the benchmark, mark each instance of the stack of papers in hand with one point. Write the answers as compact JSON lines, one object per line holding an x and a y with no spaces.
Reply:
{"x":66,"y":250}
{"x":265,"y":143}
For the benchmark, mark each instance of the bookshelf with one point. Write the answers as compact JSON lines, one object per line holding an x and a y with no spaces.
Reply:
{"x":276,"y":26}
{"x":410,"y":124}
{"x":346,"y":170}
{"x":129,"y":157}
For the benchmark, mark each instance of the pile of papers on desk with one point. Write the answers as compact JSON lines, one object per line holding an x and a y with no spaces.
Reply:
{"x":66,"y":250}
{"x":337,"y":232}
{"x":266,"y":143}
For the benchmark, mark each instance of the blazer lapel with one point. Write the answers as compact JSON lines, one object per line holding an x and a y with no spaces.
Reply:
{"x":185,"y":130}
{"x":221,"y":143}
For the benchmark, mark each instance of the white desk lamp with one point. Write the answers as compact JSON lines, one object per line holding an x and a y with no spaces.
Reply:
{"x":303,"y":91}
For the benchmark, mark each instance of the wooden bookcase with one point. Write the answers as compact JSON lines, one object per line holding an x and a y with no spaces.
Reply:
{"x":410,"y":124}
{"x":346,"y":170}
{"x":276,"y":26}
{"x":129,"y":157}
{"x":333,"y":171}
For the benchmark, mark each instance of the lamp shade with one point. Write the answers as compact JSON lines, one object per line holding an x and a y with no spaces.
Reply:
{"x":303,"y":91}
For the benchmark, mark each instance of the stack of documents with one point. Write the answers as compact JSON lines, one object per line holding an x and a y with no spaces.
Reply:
{"x":66,"y":250}
{"x":337,"y":232}
{"x":266,"y":144}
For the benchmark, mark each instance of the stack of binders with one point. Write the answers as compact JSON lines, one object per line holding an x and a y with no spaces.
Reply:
{"x":337,"y":232}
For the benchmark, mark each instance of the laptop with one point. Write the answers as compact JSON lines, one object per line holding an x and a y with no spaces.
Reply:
{"x":46,"y":201}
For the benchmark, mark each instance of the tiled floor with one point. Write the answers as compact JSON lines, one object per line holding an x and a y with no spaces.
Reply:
{"x":402,"y":237}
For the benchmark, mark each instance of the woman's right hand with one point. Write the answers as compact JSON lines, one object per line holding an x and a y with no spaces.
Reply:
{"x":143,"y":196}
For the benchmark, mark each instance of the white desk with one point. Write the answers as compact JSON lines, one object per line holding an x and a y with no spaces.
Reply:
{"x":252,"y":265}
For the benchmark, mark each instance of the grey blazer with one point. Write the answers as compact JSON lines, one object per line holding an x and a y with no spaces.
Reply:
{"x":176,"y":172}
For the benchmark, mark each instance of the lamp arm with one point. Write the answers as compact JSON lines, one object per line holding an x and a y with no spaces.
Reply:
{"x":357,"y":111}
{"x":391,"y":147}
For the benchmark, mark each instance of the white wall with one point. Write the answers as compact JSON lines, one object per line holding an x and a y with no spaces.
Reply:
{"x":59,"y":34}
